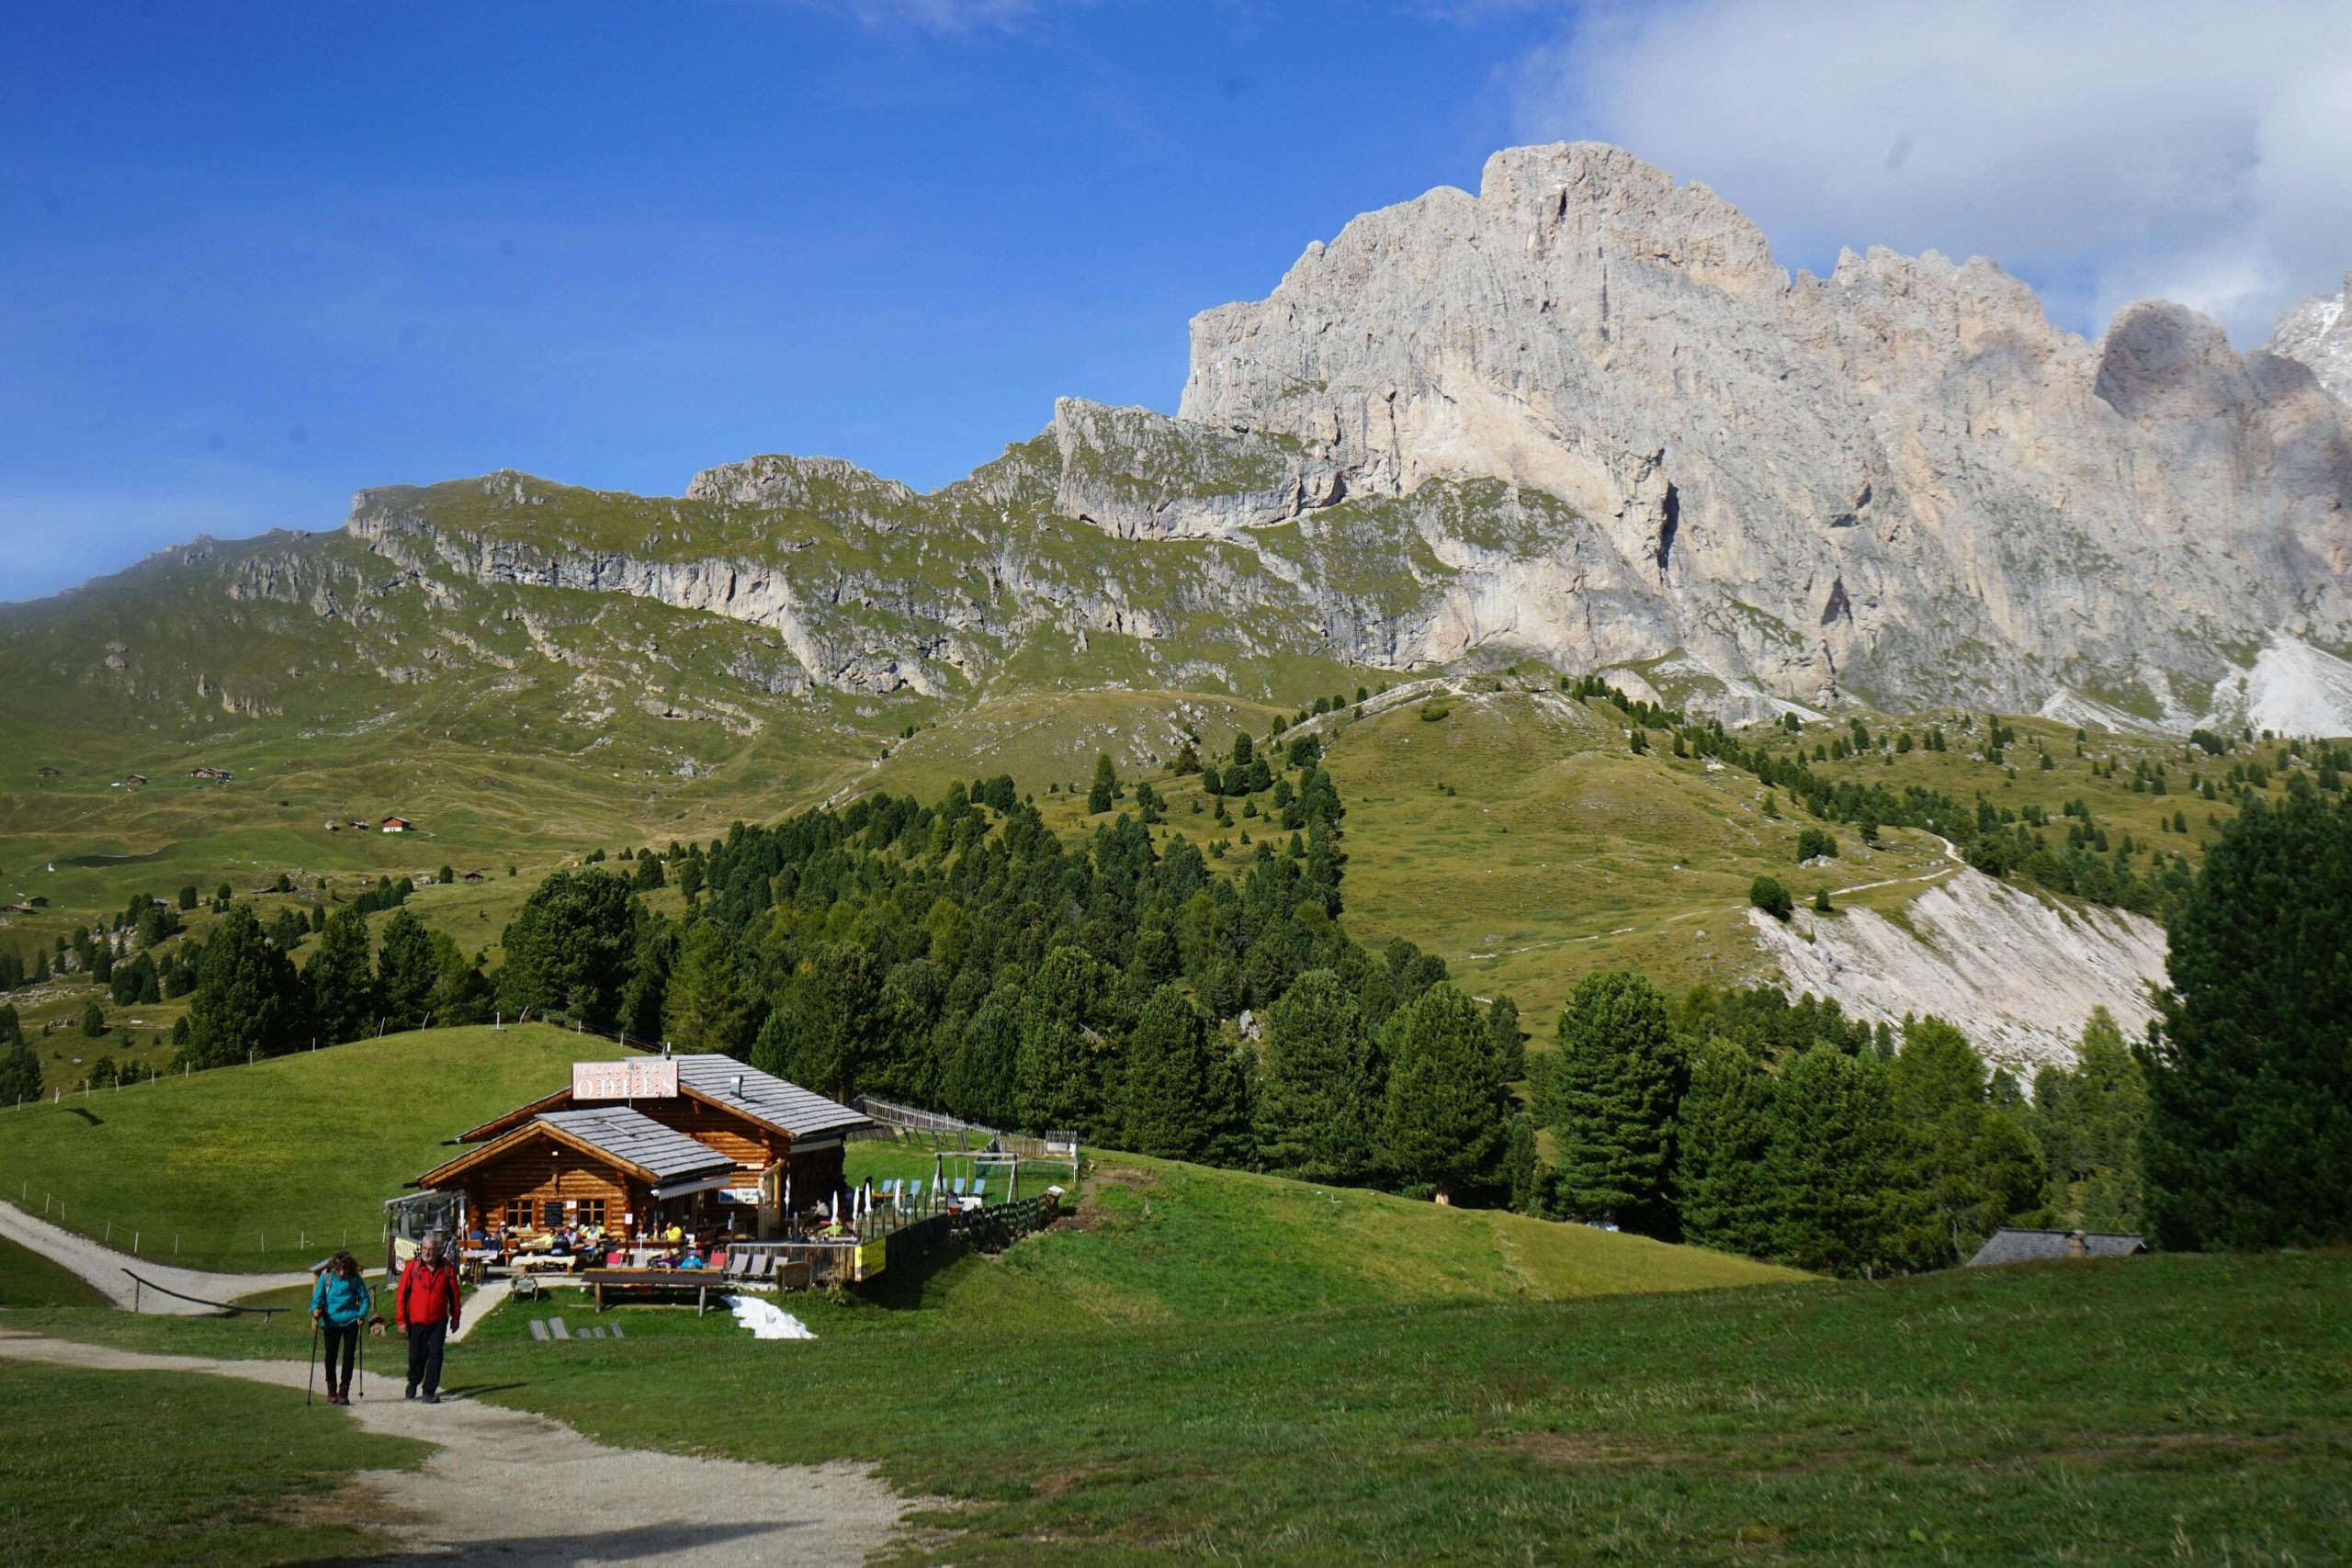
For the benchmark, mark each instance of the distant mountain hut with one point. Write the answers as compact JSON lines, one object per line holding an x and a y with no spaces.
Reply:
{"x":398,"y":825}
{"x":2008,"y":1246}
{"x":634,"y":1147}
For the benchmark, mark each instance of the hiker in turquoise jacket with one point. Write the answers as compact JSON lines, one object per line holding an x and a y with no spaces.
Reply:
{"x":339,"y":1305}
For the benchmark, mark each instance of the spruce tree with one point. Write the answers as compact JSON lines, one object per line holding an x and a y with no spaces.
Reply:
{"x":568,"y":948}
{"x":248,"y":999}
{"x":2249,"y":1138}
{"x":20,"y":1076}
{"x":1722,"y":1147}
{"x":1053,"y":1089}
{"x":343,"y":986}
{"x":1106,"y":784}
{"x":1164,"y":1107}
{"x":1447,"y":1113}
{"x":837,"y":1008}
{"x":706,"y":1005}
{"x":1522,"y":1173}
{"x":1614,"y":1085}
{"x":1319,"y":1105}
{"x":1968,"y":1165}
{"x":980,"y":1084}
{"x":461,"y":993}
{"x":1510,"y":1046}
{"x":405,"y":972}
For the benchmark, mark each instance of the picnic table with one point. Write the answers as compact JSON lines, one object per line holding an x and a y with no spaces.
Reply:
{"x":651,"y":1281}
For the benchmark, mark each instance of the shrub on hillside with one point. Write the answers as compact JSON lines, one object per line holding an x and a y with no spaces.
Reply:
{"x":1767,"y":894}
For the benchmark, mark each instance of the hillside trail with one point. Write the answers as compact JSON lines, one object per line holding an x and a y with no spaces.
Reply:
{"x":104,"y":1267}
{"x":506,"y":1487}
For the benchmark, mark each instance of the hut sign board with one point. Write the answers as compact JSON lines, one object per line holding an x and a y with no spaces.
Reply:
{"x":645,"y":1078}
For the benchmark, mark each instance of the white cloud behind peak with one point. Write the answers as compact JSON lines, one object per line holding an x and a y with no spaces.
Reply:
{"x":2106,"y":150}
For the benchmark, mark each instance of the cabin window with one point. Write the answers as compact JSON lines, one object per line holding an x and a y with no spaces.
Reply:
{"x":518,"y":1214}
{"x":592,"y":1212}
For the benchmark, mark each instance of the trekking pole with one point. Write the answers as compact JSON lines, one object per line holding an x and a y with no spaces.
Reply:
{"x":310,"y":1381}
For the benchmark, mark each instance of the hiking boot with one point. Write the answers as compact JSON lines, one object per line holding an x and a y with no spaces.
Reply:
{"x":411,"y":1393}
{"x":432,"y":1399}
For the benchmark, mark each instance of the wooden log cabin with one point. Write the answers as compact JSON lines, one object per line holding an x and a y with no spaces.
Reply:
{"x":701,"y":1141}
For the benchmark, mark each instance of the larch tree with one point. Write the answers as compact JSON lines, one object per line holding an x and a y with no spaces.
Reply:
{"x":1165,"y":1107}
{"x":1836,"y":1163}
{"x":706,"y":1006}
{"x":1969,"y":1165}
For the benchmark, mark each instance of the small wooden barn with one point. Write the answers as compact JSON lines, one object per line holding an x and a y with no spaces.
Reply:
{"x":737,"y":1147}
{"x":397,"y":824}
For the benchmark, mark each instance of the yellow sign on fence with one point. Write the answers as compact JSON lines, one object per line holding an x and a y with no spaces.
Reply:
{"x":867,"y":1260}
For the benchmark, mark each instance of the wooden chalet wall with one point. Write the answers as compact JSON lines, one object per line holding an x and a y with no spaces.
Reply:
{"x":749,"y":1146}
{"x":542,"y":1170}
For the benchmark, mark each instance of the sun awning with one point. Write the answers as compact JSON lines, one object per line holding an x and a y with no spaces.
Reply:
{"x":700,"y":1184}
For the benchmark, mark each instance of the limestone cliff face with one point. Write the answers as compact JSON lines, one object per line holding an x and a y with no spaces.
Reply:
{"x":1898,"y":482}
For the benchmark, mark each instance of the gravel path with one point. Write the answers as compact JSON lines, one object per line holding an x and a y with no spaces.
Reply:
{"x":510,"y":1488}
{"x":103,"y":1267}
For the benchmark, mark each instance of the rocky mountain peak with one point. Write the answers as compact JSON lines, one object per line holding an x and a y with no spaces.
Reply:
{"x":2318,"y":334}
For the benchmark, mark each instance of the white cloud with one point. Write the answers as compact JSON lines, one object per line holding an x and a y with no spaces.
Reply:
{"x":2107,"y":149}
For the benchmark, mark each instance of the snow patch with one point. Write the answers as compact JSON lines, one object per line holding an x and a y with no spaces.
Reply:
{"x":2295,"y":689}
{"x":766,"y":1319}
{"x":2020,"y":975}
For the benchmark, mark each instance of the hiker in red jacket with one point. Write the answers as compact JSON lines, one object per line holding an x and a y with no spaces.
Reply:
{"x":425,"y":1304}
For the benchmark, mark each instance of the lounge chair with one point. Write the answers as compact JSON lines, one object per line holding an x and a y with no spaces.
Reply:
{"x":761,"y":1267}
{"x":959,"y":1187}
{"x":980,"y":1187}
{"x":538,"y":1328}
{"x":556,"y":1328}
{"x":914,"y":1188}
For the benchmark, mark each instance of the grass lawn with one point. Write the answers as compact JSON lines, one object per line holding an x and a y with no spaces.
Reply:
{"x":2198,"y":1409}
{"x":266,"y":1167}
{"x":138,"y":1468}
{"x":29,"y":1280}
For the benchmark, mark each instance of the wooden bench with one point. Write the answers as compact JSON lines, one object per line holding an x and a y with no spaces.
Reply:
{"x":657,"y":1281}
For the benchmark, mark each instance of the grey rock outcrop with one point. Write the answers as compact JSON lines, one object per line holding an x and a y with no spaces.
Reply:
{"x":2318,"y":334}
{"x":1898,"y":482}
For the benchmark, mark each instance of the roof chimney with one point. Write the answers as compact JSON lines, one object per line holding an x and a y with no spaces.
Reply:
{"x":738,"y":1086}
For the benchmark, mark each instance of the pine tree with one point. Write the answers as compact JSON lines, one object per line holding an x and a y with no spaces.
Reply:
{"x":1767,"y":894}
{"x":1722,"y":1147}
{"x":1447,"y":1113}
{"x":248,"y":999}
{"x":1106,"y":784}
{"x":405,"y":972}
{"x":1615,"y":1082}
{"x":1834,"y":1163}
{"x":1164,"y":1104}
{"x":2249,"y":1098}
{"x":1319,"y":1105}
{"x":837,"y":1008}
{"x":706,"y":1006}
{"x":343,"y":988}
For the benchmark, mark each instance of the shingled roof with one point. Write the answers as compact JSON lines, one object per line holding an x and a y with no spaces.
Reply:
{"x":799,"y":1111}
{"x":2036,"y":1246}
{"x":637,"y":1139}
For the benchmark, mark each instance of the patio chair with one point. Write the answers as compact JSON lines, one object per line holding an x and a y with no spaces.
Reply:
{"x":959,"y":1187}
{"x":914,"y":1189}
{"x":980,"y":1187}
{"x":762,"y":1268}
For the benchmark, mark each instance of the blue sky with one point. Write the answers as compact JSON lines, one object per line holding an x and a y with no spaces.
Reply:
{"x":254,"y":258}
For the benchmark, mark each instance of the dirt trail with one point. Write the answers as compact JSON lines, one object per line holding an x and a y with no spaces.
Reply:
{"x":510,"y":1488}
{"x":103,"y":1267}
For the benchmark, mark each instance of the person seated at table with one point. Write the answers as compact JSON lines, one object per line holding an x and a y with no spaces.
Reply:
{"x":675,"y":1233}
{"x":559,"y":1243}
{"x":693,"y":1260}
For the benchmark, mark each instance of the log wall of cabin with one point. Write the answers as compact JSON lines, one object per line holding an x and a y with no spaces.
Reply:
{"x":749,"y":1146}
{"x":550,"y":1173}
